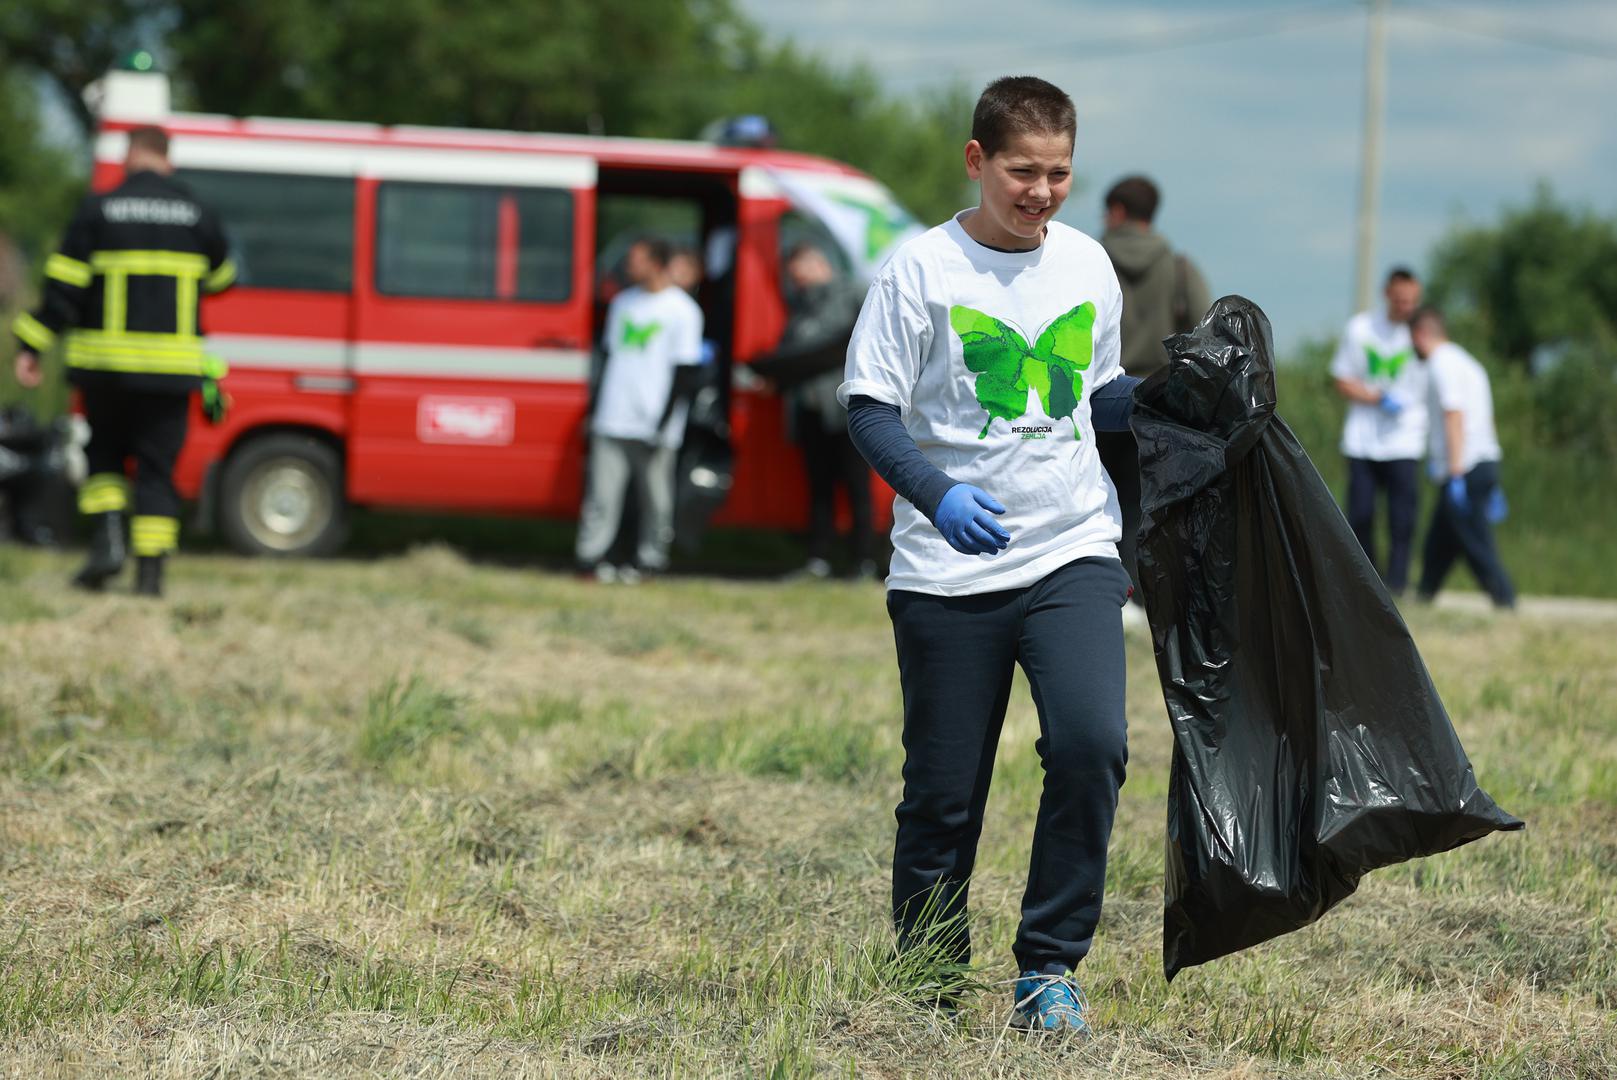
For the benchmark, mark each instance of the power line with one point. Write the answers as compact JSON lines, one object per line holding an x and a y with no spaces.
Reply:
{"x":1492,"y":26}
{"x":1206,"y":32}
{"x":1219,"y":31}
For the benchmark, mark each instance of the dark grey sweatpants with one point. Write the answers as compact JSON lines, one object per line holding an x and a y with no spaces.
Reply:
{"x":956,"y":656}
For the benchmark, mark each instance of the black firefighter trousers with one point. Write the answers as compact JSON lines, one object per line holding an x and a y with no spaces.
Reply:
{"x":146,"y":427}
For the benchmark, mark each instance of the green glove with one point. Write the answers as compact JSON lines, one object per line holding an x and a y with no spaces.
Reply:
{"x":215,"y":402}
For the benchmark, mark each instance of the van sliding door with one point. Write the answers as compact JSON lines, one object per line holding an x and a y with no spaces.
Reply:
{"x":471,"y":356}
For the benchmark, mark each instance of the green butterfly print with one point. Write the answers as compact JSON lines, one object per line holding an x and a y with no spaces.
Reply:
{"x":1006,"y":367}
{"x":638,"y":337}
{"x":883,"y":224}
{"x":1386,"y":366}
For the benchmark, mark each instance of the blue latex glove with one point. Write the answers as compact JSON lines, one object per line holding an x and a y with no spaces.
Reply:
{"x":1390,"y":405}
{"x":1456,"y":493}
{"x":1498,"y":508}
{"x":965,"y":517}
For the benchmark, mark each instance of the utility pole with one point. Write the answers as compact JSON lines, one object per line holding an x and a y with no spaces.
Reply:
{"x":1375,"y":108}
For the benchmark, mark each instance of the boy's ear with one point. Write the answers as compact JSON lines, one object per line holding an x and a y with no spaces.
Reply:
{"x":975,"y":157}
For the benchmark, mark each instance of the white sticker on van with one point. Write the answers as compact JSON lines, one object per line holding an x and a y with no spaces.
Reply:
{"x":475,"y":420}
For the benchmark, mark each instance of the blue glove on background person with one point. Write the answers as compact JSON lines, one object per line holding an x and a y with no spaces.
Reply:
{"x":1390,"y":405}
{"x":1498,"y":508}
{"x":1456,"y":493}
{"x":965,"y":517}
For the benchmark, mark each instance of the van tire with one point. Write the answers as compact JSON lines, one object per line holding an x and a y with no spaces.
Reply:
{"x":281,"y":495}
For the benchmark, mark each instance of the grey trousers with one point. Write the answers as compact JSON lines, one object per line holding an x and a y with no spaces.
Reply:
{"x":615,"y":465}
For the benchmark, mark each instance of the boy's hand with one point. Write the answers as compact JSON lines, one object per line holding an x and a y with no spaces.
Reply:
{"x":1458,"y":495}
{"x":1498,"y":508}
{"x":28,"y":368}
{"x":1390,"y":404}
{"x":965,"y":517}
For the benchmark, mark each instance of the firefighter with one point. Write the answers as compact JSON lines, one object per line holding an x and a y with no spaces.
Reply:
{"x":123,"y":291}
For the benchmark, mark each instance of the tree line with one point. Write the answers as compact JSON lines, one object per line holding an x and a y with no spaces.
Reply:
{"x":1543,"y":275}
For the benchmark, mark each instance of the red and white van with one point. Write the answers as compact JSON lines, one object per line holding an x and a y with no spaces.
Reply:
{"x":416,"y":307}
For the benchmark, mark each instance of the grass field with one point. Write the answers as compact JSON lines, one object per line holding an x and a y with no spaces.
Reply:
{"x":422,"y":817}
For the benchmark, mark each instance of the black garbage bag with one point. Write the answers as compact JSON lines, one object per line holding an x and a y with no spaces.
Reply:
{"x":706,"y":466}
{"x":1310,"y":745}
{"x":37,"y":494}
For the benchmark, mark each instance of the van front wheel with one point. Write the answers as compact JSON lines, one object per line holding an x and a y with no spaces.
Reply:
{"x":282,"y":494}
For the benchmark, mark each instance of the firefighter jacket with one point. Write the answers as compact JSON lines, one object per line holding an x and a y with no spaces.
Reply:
{"x":123,"y":288}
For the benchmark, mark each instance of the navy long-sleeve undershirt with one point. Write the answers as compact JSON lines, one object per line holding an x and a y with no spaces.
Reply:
{"x":878,"y":430}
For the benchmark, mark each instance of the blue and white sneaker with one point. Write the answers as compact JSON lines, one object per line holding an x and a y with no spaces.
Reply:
{"x":1050,"y":1002}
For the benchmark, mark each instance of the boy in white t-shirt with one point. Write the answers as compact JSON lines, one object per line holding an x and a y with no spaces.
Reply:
{"x":1464,"y":461}
{"x":983,"y":362}
{"x":653,"y":342}
{"x":1384,"y":434}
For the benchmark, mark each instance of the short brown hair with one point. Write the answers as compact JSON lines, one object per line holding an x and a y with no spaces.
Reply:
{"x":153,"y":139}
{"x":1021,"y":105}
{"x":1138,"y":197}
{"x":658,"y":248}
{"x":1429,"y":314}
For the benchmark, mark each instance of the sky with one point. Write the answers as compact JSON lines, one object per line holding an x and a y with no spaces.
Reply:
{"x":1255,"y":137}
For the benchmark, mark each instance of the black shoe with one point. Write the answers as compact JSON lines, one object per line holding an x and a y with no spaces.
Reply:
{"x":149,"y":575}
{"x":107,"y":551}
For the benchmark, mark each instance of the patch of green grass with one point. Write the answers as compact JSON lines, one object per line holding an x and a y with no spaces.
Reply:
{"x":403,"y":718}
{"x":786,"y":745}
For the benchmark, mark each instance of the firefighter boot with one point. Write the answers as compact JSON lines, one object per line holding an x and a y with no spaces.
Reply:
{"x":106,"y":551}
{"x":149,"y":575}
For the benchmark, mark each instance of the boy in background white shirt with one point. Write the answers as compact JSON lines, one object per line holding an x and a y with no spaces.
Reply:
{"x":1384,"y":433}
{"x":1464,"y":461}
{"x":653,"y":341}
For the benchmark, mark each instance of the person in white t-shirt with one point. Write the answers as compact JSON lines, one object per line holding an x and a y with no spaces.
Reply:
{"x":653,"y":342}
{"x":1464,"y":462}
{"x":984,"y":360}
{"x":1384,"y":434}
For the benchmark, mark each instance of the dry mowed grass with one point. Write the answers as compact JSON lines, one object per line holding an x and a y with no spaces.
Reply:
{"x":418,"y":817}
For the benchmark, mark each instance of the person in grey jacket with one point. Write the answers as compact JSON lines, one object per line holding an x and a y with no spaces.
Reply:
{"x":1163,"y":294}
{"x":824,"y":307}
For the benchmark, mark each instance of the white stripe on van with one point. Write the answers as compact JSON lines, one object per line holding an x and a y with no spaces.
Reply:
{"x":397,"y":358}
{"x":521,"y":168}
{"x":470,"y":362}
{"x":287,"y":353}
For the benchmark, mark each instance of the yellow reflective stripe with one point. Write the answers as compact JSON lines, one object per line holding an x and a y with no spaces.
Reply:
{"x":35,"y":333}
{"x":152,"y":535}
{"x":115,"y":301}
{"x":165,"y":263}
{"x":68,"y":271}
{"x":223,"y":276}
{"x":185,"y":305}
{"x":155,"y":354}
{"x":103,"y":493}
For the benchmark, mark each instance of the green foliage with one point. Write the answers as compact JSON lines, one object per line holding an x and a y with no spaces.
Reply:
{"x":38,"y":185}
{"x":659,"y":68}
{"x":74,"y":42}
{"x":1575,"y":404}
{"x":1545,"y":274}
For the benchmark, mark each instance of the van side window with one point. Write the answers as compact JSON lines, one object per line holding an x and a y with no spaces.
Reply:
{"x":474,"y":243}
{"x":285,"y":231}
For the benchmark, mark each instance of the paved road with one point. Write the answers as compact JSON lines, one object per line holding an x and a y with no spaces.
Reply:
{"x":1562,"y":608}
